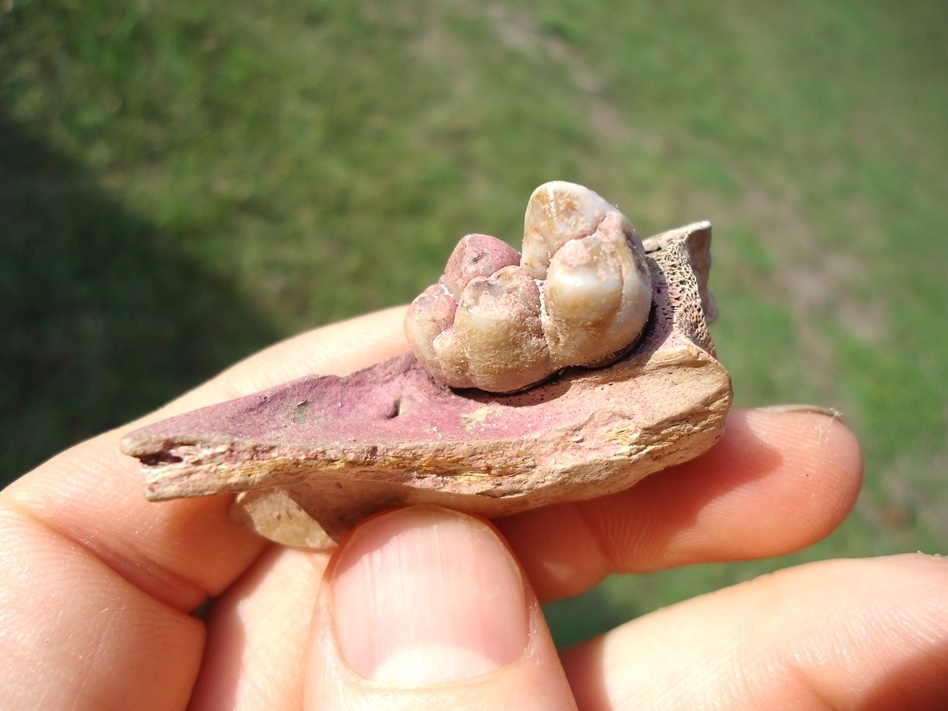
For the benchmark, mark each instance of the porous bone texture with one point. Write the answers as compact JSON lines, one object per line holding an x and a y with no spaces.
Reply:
{"x":313,"y":457}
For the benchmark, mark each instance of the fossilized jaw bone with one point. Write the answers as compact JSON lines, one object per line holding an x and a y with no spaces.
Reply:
{"x":579,"y":295}
{"x":314,"y":457}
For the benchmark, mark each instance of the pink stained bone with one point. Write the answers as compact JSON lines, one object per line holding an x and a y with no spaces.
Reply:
{"x":390,"y":435}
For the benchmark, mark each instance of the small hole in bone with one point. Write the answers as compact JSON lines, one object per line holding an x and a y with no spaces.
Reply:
{"x":158,"y":458}
{"x":394,"y":410}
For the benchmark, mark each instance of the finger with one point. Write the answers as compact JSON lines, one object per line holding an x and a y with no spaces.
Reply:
{"x":258,"y":635}
{"x":182,"y":551}
{"x":121,"y":568}
{"x":260,"y":631}
{"x":777,"y":482}
{"x":845,"y":634}
{"x":76,"y":634}
{"x":425,"y":608}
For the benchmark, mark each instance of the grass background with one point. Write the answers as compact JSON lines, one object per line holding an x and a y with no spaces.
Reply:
{"x":183,"y":183}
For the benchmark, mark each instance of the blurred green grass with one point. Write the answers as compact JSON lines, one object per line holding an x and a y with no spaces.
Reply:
{"x":181,"y":184}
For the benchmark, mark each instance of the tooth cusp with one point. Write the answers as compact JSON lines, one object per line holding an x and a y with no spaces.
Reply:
{"x":579,"y":295}
{"x":558,"y":212}
{"x":476,"y":256}
{"x":498,"y":322}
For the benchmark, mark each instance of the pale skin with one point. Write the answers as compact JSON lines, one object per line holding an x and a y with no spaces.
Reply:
{"x":424,"y":608}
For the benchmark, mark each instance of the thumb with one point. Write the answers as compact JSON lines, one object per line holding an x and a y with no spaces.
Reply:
{"x":427,"y":608}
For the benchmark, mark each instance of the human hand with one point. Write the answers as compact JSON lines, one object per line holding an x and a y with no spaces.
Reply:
{"x":424,"y":608}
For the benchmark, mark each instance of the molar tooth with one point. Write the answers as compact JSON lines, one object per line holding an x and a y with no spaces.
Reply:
{"x":636,"y":303}
{"x":498,"y":322}
{"x":498,"y":326}
{"x":598,"y":297}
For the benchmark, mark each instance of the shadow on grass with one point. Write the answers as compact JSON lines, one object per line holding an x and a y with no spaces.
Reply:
{"x":581,"y":618}
{"x":101,"y":317}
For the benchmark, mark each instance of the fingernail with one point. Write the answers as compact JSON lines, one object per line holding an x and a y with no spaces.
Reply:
{"x":425,"y":595}
{"x":814,"y":409}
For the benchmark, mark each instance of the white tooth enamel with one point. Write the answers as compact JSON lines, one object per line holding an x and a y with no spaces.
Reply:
{"x":581,"y":284}
{"x":581,"y":295}
{"x":557,"y":213}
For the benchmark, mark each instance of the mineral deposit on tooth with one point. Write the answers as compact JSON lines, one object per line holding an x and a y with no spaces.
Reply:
{"x":311,"y":458}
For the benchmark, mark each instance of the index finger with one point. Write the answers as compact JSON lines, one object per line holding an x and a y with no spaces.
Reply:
{"x":780,"y":479}
{"x":96,"y":583}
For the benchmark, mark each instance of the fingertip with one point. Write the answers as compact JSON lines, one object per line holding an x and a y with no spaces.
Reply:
{"x":817,"y":441}
{"x":781,"y":479}
{"x":867,"y":634}
{"x":427,"y":608}
{"x":407,"y":602}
